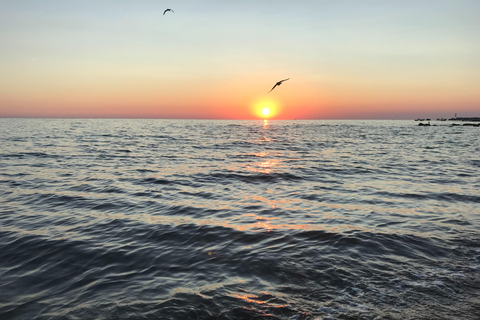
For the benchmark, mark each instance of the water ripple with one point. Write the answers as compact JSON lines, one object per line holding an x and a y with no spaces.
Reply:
{"x":140,"y":219}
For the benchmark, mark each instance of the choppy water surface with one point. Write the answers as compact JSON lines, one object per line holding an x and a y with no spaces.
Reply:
{"x":163,"y":219}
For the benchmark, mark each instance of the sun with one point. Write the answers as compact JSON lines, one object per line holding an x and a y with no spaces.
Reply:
{"x":265,"y":108}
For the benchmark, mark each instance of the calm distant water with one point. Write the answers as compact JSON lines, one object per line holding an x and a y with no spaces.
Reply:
{"x":167,"y":219}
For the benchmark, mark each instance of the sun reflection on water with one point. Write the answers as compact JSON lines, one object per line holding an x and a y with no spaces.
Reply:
{"x":252,"y":298}
{"x":266,"y":166}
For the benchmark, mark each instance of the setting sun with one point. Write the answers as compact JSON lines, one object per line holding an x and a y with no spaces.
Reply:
{"x":265,"y":108}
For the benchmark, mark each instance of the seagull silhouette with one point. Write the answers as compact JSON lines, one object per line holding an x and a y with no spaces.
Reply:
{"x":167,"y":11}
{"x":277,"y":84}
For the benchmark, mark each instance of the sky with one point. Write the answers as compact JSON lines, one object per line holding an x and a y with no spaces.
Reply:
{"x":217,"y":59}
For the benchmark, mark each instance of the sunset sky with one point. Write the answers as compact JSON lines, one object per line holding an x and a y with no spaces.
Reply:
{"x":346,"y":59}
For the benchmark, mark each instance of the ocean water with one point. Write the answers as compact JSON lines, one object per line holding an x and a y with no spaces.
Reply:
{"x":188,"y":219}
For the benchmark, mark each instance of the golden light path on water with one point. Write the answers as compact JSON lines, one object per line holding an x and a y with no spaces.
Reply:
{"x":270,"y":162}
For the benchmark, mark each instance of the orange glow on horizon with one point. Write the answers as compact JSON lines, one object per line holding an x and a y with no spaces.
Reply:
{"x":237,"y":100}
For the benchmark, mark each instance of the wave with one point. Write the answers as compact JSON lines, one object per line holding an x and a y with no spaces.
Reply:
{"x":173,"y":264}
{"x":183,"y":219}
{"x":447,"y":196}
{"x":223,"y":177}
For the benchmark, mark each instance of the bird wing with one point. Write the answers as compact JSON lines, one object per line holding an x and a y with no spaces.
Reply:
{"x":165,"y":12}
{"x":276,"y":84}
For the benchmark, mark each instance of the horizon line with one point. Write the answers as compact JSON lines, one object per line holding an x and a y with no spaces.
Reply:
{"x":210,"y":119}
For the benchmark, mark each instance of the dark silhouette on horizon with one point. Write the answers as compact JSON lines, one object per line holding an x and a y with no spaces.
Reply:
{"x":166,"y":10}
{"x":277,"y":84}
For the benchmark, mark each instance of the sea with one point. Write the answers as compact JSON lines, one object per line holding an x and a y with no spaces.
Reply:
{"x":217,"y":219}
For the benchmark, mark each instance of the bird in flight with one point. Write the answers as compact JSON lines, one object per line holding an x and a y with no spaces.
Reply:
{"x":277,"y":84}
{"x":167,"y":11}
